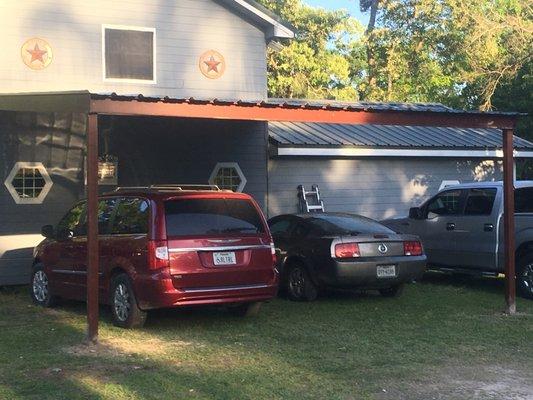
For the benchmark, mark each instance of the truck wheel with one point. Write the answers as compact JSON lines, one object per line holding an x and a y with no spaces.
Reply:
{"x":393,"y":291}
{"x":40,"y":288}
{"x":124,"y":308}
{"x":299,"y":285}
{"x":524,"y":276}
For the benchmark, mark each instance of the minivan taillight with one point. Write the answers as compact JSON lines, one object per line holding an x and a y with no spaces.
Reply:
{"x":158,"y":254}
{"x":412,"y":248}
{"x":347,"y":250}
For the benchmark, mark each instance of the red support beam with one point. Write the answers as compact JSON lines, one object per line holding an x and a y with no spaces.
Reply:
{"x":298,"y":114}
{"x":92,"y":229}
{"x":508,"y":221}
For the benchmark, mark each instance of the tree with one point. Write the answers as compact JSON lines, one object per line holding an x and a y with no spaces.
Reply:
{"x":326,"y":59}
{"x":449,"y":51}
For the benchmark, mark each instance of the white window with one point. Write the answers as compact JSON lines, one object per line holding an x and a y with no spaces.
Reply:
{"x":228,"y":176}
{"x":128,"y":54}
{"x":28,"y":183}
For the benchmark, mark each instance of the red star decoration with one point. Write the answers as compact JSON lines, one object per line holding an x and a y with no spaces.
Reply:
{"x":37,"y":54}
{"x":212,"y":64}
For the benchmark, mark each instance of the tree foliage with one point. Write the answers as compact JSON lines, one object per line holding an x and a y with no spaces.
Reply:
{"x":471,"y":54}
{"x":324,"y":61}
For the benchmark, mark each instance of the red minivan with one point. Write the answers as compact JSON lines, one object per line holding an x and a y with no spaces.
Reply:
{"x":162,"y":246}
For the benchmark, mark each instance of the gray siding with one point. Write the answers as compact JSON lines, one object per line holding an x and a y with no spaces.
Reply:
{"x":184,"y":30}
{"x":156,"y":151}
{"x":377,"y":188}
{"x":57,"y":141}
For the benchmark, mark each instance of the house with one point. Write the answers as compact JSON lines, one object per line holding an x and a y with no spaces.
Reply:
{"x":62,"y":58}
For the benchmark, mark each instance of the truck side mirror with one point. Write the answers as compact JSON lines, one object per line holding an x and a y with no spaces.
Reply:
{"x":65,"y":234}
{"x":47,"y":231}
{"x":415,"y":213}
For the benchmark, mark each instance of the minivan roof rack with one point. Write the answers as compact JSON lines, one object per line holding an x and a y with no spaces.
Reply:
{"x":170,"y":187}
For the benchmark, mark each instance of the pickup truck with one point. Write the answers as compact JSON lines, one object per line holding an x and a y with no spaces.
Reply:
{"x":461,"y":228}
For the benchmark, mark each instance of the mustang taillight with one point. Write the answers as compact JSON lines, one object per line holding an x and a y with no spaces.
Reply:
{"x":347,"y":250}
{"x":158,"y":254}
{"x":412,"y":248}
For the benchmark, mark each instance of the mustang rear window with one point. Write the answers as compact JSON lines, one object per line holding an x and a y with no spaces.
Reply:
{"x":347,"y":225}
{"x":204,"y":217}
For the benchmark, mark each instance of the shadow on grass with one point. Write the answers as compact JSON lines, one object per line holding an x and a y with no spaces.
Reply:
{"x":470,"y":282}
{"x":341,"y":346}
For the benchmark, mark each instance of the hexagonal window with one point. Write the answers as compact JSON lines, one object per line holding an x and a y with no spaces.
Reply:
{"x":28,"y":183}
{"x":228,"y":176}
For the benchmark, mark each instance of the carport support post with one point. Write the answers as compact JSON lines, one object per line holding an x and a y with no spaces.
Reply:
{"x":508,"y":221}
{"x":92,"y":229}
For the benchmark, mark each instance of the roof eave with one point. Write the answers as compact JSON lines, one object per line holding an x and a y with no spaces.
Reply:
{"x":270,"y":23}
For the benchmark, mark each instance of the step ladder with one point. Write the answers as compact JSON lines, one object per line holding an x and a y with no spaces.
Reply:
{"x":310,"y":200}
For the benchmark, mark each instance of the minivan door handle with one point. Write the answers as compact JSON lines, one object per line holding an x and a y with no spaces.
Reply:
{"x":488,"y":227}
{"x":450,"y":226}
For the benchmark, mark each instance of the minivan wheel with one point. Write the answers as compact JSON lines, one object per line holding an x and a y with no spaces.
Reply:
{"x":246,"y":309}
{"x":40,"y":289}
{"x":524,"y":276}
{"x":299,"y":285}
{"x":124,"y":308}
{"x":393,"y":291}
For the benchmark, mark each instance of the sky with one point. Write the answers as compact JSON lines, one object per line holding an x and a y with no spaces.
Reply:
{"x":351,"y":5}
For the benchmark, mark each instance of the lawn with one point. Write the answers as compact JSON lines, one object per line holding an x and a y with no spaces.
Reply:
{"x":445,"y":338}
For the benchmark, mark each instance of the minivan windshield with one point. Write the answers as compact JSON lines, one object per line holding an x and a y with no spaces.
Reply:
{"x":347,"y":225}
{"x":203,"y":217}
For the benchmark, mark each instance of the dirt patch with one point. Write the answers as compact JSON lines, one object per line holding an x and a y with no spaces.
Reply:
{"x":479,"y":382}
{"x":116,"y":347}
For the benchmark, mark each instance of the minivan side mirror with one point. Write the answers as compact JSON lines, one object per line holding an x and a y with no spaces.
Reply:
{"x":47,"y":231}
{"x":415,"y":213}
{"x":65,"y":234}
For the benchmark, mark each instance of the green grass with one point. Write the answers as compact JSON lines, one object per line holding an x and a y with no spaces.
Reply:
{"x":344,"y":346}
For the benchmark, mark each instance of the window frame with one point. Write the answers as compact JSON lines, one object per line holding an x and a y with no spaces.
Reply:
{"x":467,"y":196}
{"x":238,"y":169}
{"x":462,"y":202}
{"x":48,"y":183}
{"x":82,"y":220}
{"x":120,"y":200}
{"x":153,"y":81}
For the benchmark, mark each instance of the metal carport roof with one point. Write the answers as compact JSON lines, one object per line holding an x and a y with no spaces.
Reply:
{"x":306,"y":134}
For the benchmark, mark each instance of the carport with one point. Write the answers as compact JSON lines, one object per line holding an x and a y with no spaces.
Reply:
{"x":95,"y":105}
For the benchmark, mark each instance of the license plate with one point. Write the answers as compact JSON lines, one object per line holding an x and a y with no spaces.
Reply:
{"x":226,"y":258}
{"x":386,"y":271}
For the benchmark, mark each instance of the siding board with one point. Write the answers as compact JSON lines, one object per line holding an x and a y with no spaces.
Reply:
{"x":376,"y":188}
{"x":184,"y":30}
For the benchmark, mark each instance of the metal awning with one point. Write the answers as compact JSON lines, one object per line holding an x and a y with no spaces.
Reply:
{"x":263,"y":110}
{"x":345,"y":140}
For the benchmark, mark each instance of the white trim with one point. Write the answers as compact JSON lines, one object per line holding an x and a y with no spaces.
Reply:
{"x":280,"y":30}
{"x":44,"y":191}
{"x":235,"y":165}
{"x":375,"y":152}
{"x":154,"y":46}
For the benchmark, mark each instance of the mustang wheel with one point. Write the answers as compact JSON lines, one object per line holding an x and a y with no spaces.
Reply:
{"x":524,"y":276}
{"x":124,"y":307}
{"x":40,"y":290}
{"x":300,"y":287}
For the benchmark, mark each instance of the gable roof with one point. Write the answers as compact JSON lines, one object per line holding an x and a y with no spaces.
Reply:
{"x":273,"y":26}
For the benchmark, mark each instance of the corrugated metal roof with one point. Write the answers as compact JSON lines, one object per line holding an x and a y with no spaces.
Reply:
{"x":307,"y":104}
{"x":387,"y":136}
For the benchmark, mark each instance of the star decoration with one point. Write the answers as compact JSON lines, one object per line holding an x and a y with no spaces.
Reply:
{"x":212,"y":64}
{"x":37,"y":54}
